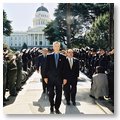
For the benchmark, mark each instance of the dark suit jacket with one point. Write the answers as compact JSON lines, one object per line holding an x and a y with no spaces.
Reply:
{"x":55,"y":75}
{"x":41,"y":61}
{"x":74,"y":72}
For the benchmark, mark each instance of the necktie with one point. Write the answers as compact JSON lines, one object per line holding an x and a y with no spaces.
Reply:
{"x":71,"y":63}
{"x":56,"y":59}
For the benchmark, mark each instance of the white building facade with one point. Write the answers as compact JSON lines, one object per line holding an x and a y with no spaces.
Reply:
{"x":33,"y":37}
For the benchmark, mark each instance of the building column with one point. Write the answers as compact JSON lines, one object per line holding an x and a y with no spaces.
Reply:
{"x":28,"y":39}
{"x":42,"y":40}
{"x":34,"y":39}
{"x":38,"y":39}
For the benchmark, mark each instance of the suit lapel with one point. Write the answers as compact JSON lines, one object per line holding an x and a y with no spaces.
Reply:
{"x":73,"y":63}
{"x":68,"y":63}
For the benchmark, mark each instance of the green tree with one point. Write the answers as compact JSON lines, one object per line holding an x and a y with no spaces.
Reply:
{"x":51,"y":32}
{"x":7,"y":28}
{"x":81,"y":16}
{"x":100,"y":8}
{"x":99,"y":32}
{"x":24,"y":46}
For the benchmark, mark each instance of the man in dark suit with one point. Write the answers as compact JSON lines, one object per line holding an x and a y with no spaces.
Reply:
{"x":54,"y":77}
{"x":72,"y":74}
{"x":41,"y":64}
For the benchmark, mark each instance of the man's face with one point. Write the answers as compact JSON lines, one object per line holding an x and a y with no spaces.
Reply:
{"x":56,"y":47}
{"x":102,"y":52}
{"x":70,"y":53}
{"x":44,"y":52}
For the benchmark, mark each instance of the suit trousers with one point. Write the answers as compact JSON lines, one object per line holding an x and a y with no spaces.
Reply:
{"x":55,"y":89}
{"x":70,"y":90}
{"x":44,"y":85}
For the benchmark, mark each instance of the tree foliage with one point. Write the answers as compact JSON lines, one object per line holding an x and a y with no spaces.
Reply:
{"x":82,"y":15}
{"x":24,"y":46}
{"x":99,"y":32}
{"x":7,"y":28}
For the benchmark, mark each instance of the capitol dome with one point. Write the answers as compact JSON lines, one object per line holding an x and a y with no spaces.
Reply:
{"x":42,"y":17}
{"x":42,"y":8}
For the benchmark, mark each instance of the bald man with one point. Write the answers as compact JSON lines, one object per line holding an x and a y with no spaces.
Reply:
{"x":71,"y":74}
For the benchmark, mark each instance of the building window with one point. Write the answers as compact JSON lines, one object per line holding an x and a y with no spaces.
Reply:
{"x":40,"y":42}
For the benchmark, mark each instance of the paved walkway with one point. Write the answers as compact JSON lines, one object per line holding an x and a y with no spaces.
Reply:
{"x":31,"y":100}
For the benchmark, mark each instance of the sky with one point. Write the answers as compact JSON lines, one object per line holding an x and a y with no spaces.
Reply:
{"x":22,"y":14}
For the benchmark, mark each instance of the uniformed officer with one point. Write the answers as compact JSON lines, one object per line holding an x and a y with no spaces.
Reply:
{"x":19,"y":70}
{"x":12,"y":74}
{"x":4,"y":77}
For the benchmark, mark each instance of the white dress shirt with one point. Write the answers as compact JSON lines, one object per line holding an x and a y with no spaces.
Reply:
{"x":70,"y":62}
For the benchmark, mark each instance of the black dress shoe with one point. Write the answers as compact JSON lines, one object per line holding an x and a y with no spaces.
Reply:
{"x":74,"y":103}
{"x":58,"y":112}
{"x":51,"y":110}
{"x":92,"y":96}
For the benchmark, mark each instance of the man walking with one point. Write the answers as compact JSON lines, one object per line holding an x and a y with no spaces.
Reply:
{"x":41,"y":64}
{"x":54,"y":77}
{"x":72,"y":74}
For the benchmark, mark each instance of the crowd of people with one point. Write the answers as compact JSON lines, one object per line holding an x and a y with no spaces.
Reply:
{"x":60,"y":70}
{"x":17,"y":68}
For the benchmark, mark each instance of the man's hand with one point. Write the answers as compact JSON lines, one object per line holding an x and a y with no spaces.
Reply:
{"x":46,"y":80}
{"x":64,"y":82}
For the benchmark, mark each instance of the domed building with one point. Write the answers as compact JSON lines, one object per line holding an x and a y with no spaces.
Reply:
{"x":34,"y":36}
